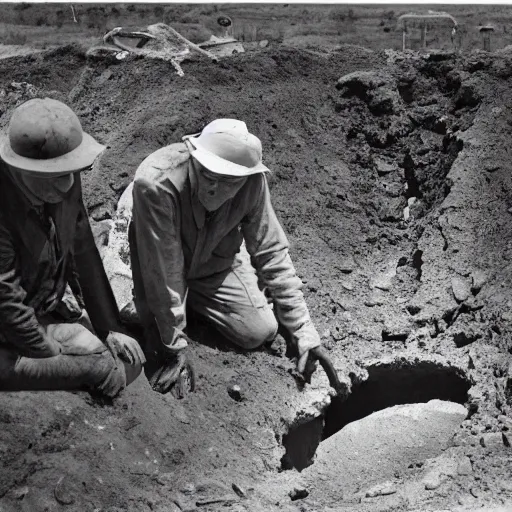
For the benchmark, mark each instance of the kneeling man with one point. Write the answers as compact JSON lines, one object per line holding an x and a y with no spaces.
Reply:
{"x":56,"y":304}
{"x":195,"y":203}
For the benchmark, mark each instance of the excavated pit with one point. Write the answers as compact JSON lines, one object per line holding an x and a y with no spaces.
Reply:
{"x":387,"y":385}
{"x":345,"y":170}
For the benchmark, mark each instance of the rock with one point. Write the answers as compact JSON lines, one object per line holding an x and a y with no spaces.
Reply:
{"x":101,"y":213}
{"x":479,"y":278}
{"x":461,"y":288}
{"x":376,"y":298}
{"x":396,"y":437}
{"x":377,"y":89}
{"x":298,"y":493}
{"x":384,"y":281}
{"x":383,"y":489}
{"x":464,"y":466}
{"x":236,"y":393}
{"x":466,"y":336}
{"x":238,"y":490}
{"x":396,"y":328}
{"x":165,"y":479}
{"x":346,"y":265}
{"x":433,"y":480}
{"x":63,"y":492}
{"x":20,"y":493}
{"x":492,"y":440}
{"x":438,"y":470}
{"x":384,"y":168}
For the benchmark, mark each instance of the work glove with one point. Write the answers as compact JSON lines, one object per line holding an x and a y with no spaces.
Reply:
{"x":127,"y":348}
{"x":320,"y":354}
{"x":172,"y":372}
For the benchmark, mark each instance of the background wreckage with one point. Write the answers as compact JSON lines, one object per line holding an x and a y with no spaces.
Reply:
{"x":160,"y":41}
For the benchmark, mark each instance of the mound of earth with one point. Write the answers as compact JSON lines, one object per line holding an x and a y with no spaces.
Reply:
{"x":391,"y":176}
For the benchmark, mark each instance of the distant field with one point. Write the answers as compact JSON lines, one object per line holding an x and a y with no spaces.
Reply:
{"x":308,"y":25}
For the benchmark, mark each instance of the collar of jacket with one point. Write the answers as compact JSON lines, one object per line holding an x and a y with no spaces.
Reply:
{"x":198,"y":210}
{"x":14,"y":199}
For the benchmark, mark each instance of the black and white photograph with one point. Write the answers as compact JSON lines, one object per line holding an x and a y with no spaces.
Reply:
{"x":255,"y":257}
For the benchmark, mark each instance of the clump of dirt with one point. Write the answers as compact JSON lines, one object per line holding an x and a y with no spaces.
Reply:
{"x":391,"y":177}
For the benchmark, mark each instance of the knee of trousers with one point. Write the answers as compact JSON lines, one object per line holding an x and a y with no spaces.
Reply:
{"x":253,"y":329}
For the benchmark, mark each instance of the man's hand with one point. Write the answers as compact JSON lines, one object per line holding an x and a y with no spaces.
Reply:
{"x":127,"y":348}
{"x":320,"y":354}
{"x":173,"y":373}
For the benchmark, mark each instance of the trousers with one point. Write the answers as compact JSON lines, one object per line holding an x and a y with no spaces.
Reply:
{"x":85,"y":363}
{"x":233,"y":302}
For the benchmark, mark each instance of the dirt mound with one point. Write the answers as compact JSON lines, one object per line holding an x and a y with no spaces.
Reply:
{"x":393,"y":185}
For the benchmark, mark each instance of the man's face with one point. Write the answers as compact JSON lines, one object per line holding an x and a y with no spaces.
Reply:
{"x":49,"y":190}
{"x":213,"y":190}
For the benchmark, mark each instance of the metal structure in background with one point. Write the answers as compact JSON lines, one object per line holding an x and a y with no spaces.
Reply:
{"x":423,"y":22}
{"x":160,"y":41}
{"x":486,"y":32}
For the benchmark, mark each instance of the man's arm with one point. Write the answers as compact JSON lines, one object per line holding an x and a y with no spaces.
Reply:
{"x":268,"y":246}
{"x":18,"y":323}
{"x":97,"y":294}
{"x":160,"y":255}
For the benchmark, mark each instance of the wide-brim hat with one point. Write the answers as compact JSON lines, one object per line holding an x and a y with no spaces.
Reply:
{"x":226,"y":147}
{"x":45,"y":137}
{"x":77,"y":160}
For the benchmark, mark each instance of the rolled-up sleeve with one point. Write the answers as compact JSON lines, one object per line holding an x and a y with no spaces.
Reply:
{"x":160,"y":254}
{"x":268,"y":246}
{"x":18,"y":323}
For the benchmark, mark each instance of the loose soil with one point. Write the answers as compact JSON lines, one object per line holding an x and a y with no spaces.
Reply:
{"x":394,"y":187}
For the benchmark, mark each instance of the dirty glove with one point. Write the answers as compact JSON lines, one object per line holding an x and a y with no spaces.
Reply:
{"x":127,"y":348}
{"x":173,"y":373}
{"x":320,"y":354}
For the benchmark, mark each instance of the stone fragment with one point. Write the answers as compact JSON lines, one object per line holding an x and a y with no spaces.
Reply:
{"x":464,"y":466}
{"x":298,"y":493}
{"x":438,"y":470}
{"x":461,"y":288}
{"x":384,"y":280}
{"x":63,"y":492}
{"x":19,"y":494}
{"x":479,"y":278}
{"x":383,"y":167}
{"x":376,"y":298}
{"x":383,"y":489}
{"x":433,"y":480}
{"x":165,"y":479}
{"x":238,"y":490}
{"x":346,"y":264}
{"x":235,"y":392}
{"x":492,"y":440}
{"x":102,"y":213}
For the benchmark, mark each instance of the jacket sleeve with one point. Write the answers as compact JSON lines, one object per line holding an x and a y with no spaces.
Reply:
{"x":160,"y":254}
{"x":268,"y":246}
{"x":18,"y":323}
{"x":96,"y":291}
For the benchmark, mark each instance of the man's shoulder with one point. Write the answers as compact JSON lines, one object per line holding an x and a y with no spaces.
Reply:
{"x":163,"y":164}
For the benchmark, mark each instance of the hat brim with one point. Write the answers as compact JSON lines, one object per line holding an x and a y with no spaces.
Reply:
{"x":219,"y":165}
{"x":77,"y":160}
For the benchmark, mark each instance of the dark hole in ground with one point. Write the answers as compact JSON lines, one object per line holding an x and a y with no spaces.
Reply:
{"x":387,"y":385}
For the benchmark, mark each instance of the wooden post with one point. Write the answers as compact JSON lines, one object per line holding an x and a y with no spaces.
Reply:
{"x":403,"y":40}
{"x":74,"y":14}
{"x":487,"y":41}
{"x":424,"y":35}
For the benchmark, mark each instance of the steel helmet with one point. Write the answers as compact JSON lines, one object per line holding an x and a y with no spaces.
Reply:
{"x":45,"y":137}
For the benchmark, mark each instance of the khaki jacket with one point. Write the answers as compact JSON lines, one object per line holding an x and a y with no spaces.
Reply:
{"x":43,"y":253}
{"x":173,"y":242}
